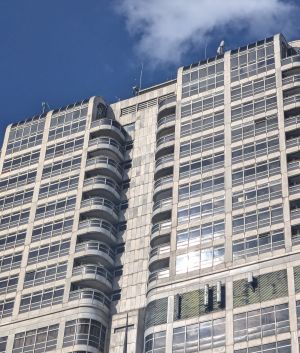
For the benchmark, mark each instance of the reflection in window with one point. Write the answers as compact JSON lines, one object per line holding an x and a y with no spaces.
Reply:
{"x":155,"y":342}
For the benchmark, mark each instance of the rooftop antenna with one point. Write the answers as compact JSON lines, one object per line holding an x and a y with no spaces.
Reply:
{"x":205,"y":50}
{"x":220,"y":49}
{"x":44,"y":106}
{"x":141,"y":75}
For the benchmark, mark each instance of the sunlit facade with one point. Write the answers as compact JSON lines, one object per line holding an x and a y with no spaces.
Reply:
{"x":165,"y":223}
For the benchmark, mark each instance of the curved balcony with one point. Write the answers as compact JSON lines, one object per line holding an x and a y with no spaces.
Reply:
{"x":165,"y":123}
{"x":105,"y":165}
{"x":162,"y":275}
{"x":163,"y":184}
{"x":165,"y":145}
{"x":291,"y":81}
{"x":97,"y":229}
{"x":108,"y":127}
{"x":95,"y":251}
{"x":164,"y":162}
{"x":162,"y":210}
{"x":294,"y":142}
{"x":166,"y":103}
{"x":160,"y":233}
{"x":107,"y":144}
{"x":291,"y":102}
{"x":99,"y":207}
{"x":102,"y":186}
{"x":157,"y":254}
{"x":91,"y":297}
{"x":290,"y":62}
{"x":97,"y":277}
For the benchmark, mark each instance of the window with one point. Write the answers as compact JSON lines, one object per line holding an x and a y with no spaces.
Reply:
{"x":255,"y":172}
{"x":199,"y":337}
{"x":201,"y":187}
{"x":257,"y":106}
{"x":199,"y":259}
{"x":3,"y":341}
{"x":59,"y":186}
{"x":14,"y":219}
{"x":200,"y":235}
{"x":19,"y":198}
{"x":201,"y":144}
{"x":55,"y":207}
{"x":49,"y":251}
{"x":6,"y":309}
{"x":12,"y":240}
{"x":254,"y":128}
{"x":45,"y":274}
{"x":201,"y":165}
{"x":202,"y":104}
{"x":15,"y":181}
{"x":201,"y":123}
{"x":258,"y":244}
{"x":41,"y":299}
{"x":61,"y":167}
{"x":8,"y":284}
{"x":262,"y":217}
{"x":39,"y":340}
{"x":20,"y":161}
{"x":52,"y":229}
{"x":254,"y":195}
{"x":10,"y":262}
{"x":199,"y":210}
{"x":86,"y":332}
{"x":262,"y":322}
{"x":63,"y":148}
{"x":255,"y":149}
{"x":155,"y":342}
{"x":253,"y":87}
{"x":273,"y":347}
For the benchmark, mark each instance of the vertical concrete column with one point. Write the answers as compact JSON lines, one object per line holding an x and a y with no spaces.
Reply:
{"x":292,"y":309}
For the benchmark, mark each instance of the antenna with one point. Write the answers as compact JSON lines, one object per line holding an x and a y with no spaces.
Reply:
{"x":44,"y":106}
{"x":141,"y":75}
{"x":221,"y":47}
{"x":205,"y":50}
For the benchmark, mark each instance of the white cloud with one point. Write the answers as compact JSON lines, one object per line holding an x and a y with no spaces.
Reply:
{"x":166,"y":29}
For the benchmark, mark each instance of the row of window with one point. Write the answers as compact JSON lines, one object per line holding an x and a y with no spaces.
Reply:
{"x":274,"y":347}
{"x":251,"y":88}
{"x":201,"y":187}
{"x":254,"y":107}
{"x":201,"y":123}
{"x":200,"y":259}
{"x":55,"y":207}
{"x":24,"y":143}
{"x":58,"y":186}
{"x":30,"y":128}
{"x":15,"y":181}
{"x":45,"y":274}
{"x":67,"y":130}
{"x":64,"y":147}
{"x":64,"y":118}
{"x":12,"y":240}
{"x":202,"y":84}
{"x":17,"y":199}
{"x":49,"y":251}
{"x":9,"y":262}
{"x":49,"y":230}
{"x":200,"y":209}
{"x":201,"y":165}
{"x":61,"y":167}
{"x":199,"y":145}
{"x":20,"y":161}
{"x":14,"y":219}
{"x":202,"y":104}
{"x":203,"y":71}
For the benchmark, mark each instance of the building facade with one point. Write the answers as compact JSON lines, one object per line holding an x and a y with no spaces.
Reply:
{"x":167,"y":222}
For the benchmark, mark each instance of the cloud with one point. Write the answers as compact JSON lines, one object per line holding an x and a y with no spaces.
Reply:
{"x":166,"y":29}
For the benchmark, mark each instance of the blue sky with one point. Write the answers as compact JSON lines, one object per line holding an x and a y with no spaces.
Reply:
{"x":62,"y":51}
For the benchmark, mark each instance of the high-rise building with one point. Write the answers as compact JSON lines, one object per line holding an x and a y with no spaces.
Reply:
{"x":165,"y":223}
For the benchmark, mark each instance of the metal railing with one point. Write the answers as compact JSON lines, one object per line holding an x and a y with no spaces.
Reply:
{"x":295,"y":213}
{"x":167,"y":101}
{"x":162,"y":203}
{"x":160,"y":250}
{"x":164,"y":159}
{"x":109,"y":122}
{"x":163,"y":273}
{"x":99,"y":201}
{"x":106,"y":141}
{"x":104,"y":160}
{"x":293,"y":165}
{"x":103,"y":181}
{"x":91,"y":294}
{"x":291,"y":100}
{"x":165,"y":120}
{"x":161,"y":226}
{"x":292,"y":120}
{"x":290,"y":60}
{"x":97,"y":222}
{"x":95,"y":245}
{"x":294,"y":189}
{"x":93,"y":270}
{"x":165,"y":139}
{"x":290,"y":79}
{"x":163,"y":181}
{"x":293,"y":142}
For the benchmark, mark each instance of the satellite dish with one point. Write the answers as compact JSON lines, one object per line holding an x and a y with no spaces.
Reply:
{"x":220,"y":50}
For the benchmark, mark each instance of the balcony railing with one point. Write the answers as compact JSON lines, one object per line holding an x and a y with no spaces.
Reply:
{"x":93,"y":270}
{"x":94,"y":222}
{"x":295,"y":213}
{"x":90,"y":294}
{"x":164,"y":159}
{"x":290,"y":60}
{"x":109,"y":122}
{"x":163,"y":181}
{"x":163,"y":273}
{"x":165,"y":120}
{"x":162,"y":204}
{"x":99,"y":201}
{"x":103,"y":160}
{"x":158,"y":227}
{"x":291,"y":100}
{"x":165,"y":139}
{"x":96,"y":246}
{"x":160,"y":250}
{"x":293,"y":165}
{"x":294,"y":189}
{"x":167,"y":101}
{"x":106,"y":141}
{"x":293,"y":142}
{"x":102,"y":181}
{"x":293,"y":120}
